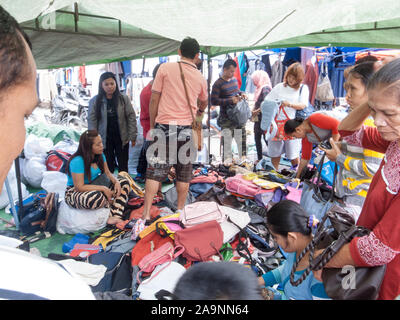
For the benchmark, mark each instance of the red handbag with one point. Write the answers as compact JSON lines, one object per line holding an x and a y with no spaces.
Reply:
{"x":166,"y":253}
{"x":280,"y":133}
{"x":201,"y":241}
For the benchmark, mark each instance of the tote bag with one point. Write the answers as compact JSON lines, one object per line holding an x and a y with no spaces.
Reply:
{"x":316,"y":198}
{"x":324,"y":91}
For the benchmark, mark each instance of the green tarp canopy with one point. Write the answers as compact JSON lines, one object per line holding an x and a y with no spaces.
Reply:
{"x":70,"y":32}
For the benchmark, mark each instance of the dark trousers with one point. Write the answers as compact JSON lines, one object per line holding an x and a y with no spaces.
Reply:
{"x":116,"y":155}
{"x":142,"y":165}
{"x":258,"y":134}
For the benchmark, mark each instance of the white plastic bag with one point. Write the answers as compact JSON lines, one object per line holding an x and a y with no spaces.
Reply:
{"x":73,"y":221}
{"x":37,"y":146}
{"x":12,"y":180}
{"x":34,"y":170}
{"x":68,"y":146}
{"x":54,"y":181}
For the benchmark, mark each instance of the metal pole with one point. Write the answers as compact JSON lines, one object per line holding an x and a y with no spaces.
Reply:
{"x":10,"y":198}
{"x":209,"y":106}
{"x":18,"y":175}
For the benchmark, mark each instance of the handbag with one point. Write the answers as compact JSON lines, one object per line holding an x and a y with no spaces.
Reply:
{"x":168,"y":226}
{"x":236,"y":221}
{"x":324,"y":92}
{"x":163,"y":255}
{"x":280,"y":133}
{"x":307,"y":111}
{"x":342,"y":229}
{"x":242,"y":187}
{"x":200,"y":212}
{"x":196,"y":127}
{"x":201,"y":242}
{"x":102,"y":180}
{"x":316,"y":197}
{"x":40,"y":215}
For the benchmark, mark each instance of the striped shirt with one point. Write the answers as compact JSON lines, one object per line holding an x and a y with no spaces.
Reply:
{"x":357,"y":168}
{"x":222,"y":93}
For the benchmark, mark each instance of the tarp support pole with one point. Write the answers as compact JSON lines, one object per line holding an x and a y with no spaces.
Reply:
{"x":76,"y":16}
{"x":209,"y":106}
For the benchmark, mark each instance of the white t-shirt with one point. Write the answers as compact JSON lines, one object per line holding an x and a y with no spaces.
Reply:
{"x":24,"y":276}
{"x":280,"y":92}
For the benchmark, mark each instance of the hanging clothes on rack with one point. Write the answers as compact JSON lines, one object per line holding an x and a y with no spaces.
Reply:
{"x":306,"y":55}
{"x":267,"y":64}
{"x":46,"y":86}
{"x":278,"y":71}
{"x":127,"y":68}
{"x":237,"y":74}
{"x":116,"y":68}
{"x":292,"y":55}
{"x":250,"y":87}
{"x":243,"y":66}
{"x":311,"y":78}
{"x":82,"y":76}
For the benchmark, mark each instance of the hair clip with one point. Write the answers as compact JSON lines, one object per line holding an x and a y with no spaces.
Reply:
{"x":313,"y":222}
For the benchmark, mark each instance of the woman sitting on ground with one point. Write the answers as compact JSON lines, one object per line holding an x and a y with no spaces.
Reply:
{"x":315,"y":129}
{"x":84,"y":166}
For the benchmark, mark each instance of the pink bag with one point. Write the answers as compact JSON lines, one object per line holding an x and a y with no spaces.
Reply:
{"x":294,"y":193}
{"x":241,"y":187}
{"x":165,"y":253}
{"x":201,"y":242}
{"x":200,"y":212}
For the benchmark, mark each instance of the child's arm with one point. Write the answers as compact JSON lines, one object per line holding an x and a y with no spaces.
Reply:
{"x":272,"y":277}
{"x":318,"y":290}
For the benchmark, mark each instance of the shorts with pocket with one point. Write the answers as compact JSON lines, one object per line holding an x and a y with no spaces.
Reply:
{"x":161,"y":161}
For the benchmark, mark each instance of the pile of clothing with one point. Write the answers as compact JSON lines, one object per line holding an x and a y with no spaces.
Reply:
{"x":224,"y":219}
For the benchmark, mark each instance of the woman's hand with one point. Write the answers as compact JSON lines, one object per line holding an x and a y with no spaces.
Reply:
{"x":333,"y":153}
{"x":108,"y":193}
{"x":117,"y":189}
{"x":256,"y":112}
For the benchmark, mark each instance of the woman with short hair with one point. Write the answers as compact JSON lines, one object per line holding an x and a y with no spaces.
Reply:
{"x":293,"y":96}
